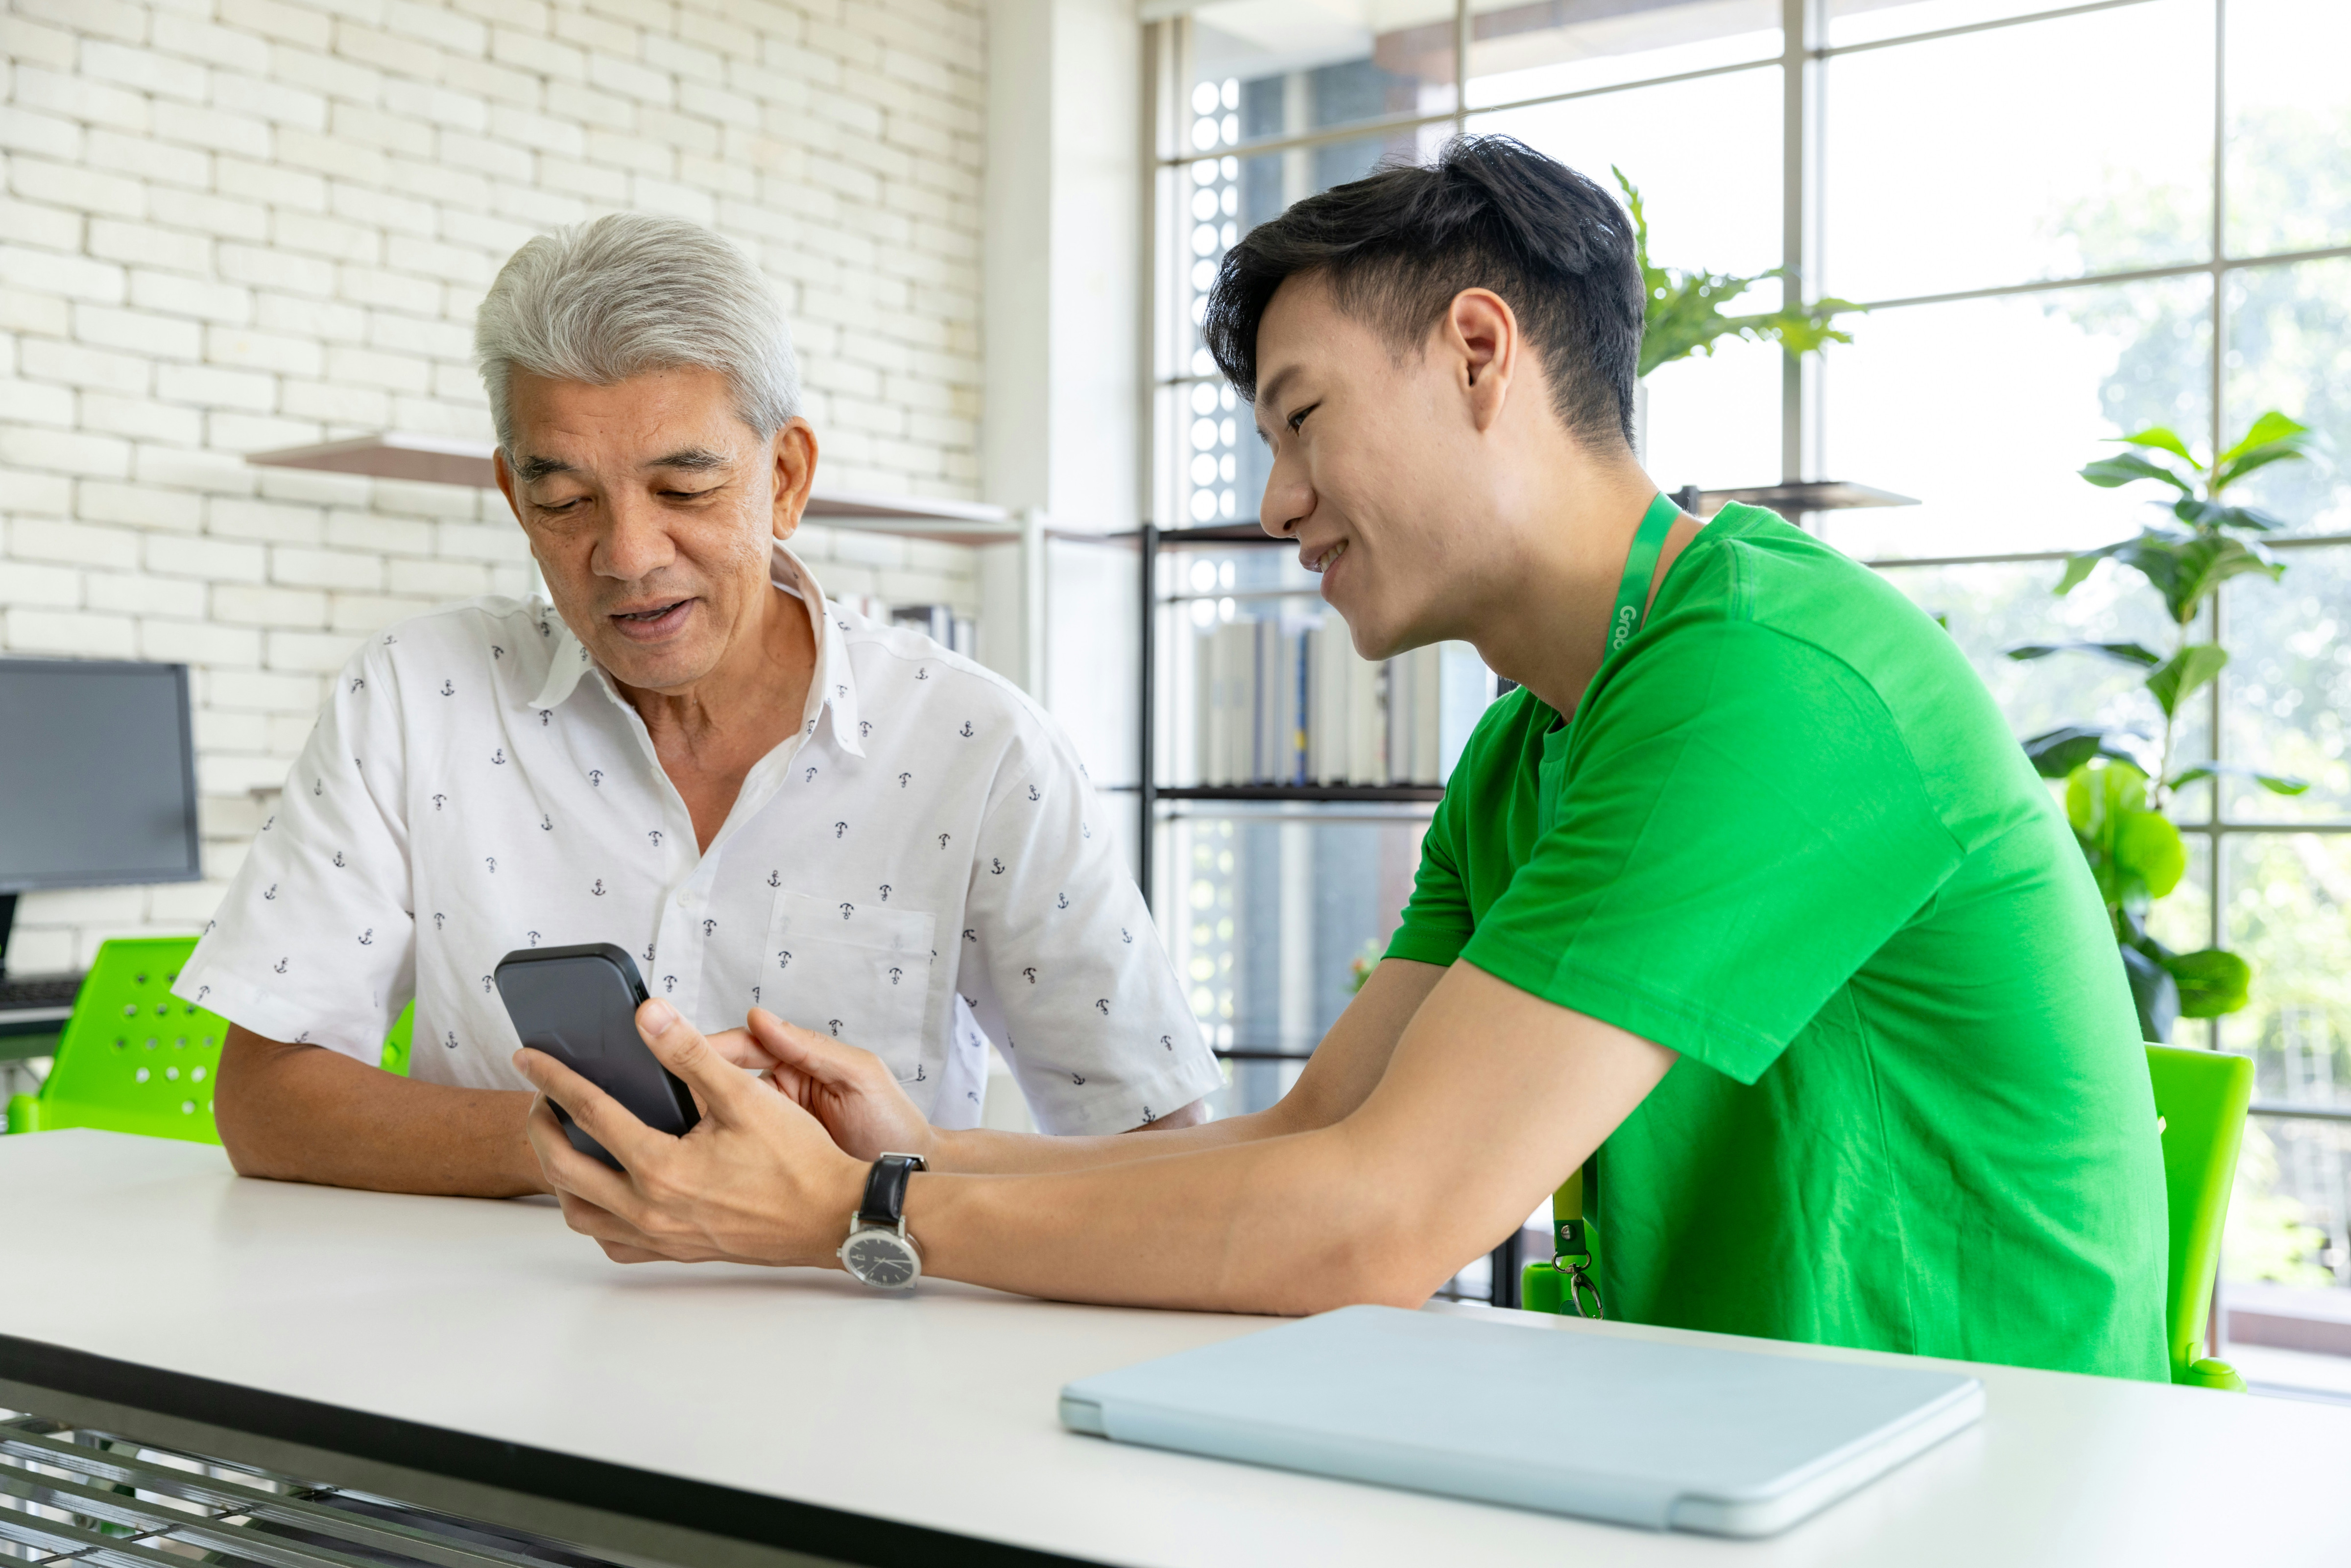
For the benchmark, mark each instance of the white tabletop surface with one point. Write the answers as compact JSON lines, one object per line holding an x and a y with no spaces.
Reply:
{"x":940,"y":1408}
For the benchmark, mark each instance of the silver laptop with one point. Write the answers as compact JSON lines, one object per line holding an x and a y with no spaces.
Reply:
{"x":1665,"y":1436}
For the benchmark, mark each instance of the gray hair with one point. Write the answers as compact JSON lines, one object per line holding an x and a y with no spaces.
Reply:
{"x":632,"y":292}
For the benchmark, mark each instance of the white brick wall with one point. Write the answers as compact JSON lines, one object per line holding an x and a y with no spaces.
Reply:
{"x":228,"y":226}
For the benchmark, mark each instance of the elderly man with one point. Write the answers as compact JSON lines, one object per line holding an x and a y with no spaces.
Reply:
{"x":689,"y":754}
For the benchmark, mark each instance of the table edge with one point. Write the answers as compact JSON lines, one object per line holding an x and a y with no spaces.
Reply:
{"x":600,"y":1485}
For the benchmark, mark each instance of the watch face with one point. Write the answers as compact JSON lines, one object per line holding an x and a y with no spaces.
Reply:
{"x":879,"y":1258}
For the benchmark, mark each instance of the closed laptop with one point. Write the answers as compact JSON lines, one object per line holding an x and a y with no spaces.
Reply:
{"x":1668,"y":1435}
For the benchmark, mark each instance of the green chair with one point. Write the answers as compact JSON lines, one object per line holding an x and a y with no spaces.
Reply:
{"x":133,"y":1058}
{"x":2201,"y":1097}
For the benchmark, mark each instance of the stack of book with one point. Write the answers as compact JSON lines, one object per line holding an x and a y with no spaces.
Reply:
{"x":1282,"y":703}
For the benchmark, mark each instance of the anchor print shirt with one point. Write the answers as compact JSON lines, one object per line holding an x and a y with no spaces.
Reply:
{"x":924,"y":866}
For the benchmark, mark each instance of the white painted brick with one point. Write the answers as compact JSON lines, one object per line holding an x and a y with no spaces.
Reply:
{"x":195,"y":126}
{"x":490,"y":544}
{"x":81,"y":634}
{"x":246,"y":348}
{"x":49,"y":228}
{"x":141,"y":419}
{"x":40,"y":587}
{"x":272,"y":184}
{"x":215,"y":215}
{"x":30,"y":402}
{"x":276,"y":102}
{"x":139,"y":593}
{"x":215,"y":560}
{"x":378,"y":533}
{"x":177,"y":296}
{"x":211,"y":386}
{"x":198,"y":642}
{"x":364,"y":614}
{"x":263,"y":692}
{"x":327,"y":321}
{"x":65,"y":452}
{"x":392,"y":290}
{"x":325,"y":569}
{"x":213,"y":43}
{"x":540,"y":56}
{"x":276,"y":522}
{"x":144,"y":158}
{"x":132,"y":242}
{"x":75,"y":277}
{"x":26,"y":40}
{"x":147,"y":505}
{"x":335,"y":404}
{"x":39,"y":494}
{"x":290,"y":23}
{"x":437,"y":580}
{"x":321,"y":653}
{"x":144,"y":69}
{"x":245,"y":605}
{"x":77,"y":96}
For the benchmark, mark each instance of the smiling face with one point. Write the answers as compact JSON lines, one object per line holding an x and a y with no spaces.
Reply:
{"x":1376,"y":469}
{"x":651,"y":507}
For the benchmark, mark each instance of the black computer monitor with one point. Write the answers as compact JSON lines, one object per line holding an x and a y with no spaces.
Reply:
{"x":98,"y":776}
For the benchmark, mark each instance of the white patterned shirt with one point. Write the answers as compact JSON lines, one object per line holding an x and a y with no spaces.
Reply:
{"x":925,"y":860}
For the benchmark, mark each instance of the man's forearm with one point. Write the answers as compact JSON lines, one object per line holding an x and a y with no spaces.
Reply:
{"x":302,"y":1112}
{"x":982,"y":1151}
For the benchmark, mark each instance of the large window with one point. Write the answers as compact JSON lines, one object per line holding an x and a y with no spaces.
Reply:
{"x":2068,"y":221}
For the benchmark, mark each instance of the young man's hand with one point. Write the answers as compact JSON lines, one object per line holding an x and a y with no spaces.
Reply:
{"x":852,"y":1092}
{"x":756,"y":1180}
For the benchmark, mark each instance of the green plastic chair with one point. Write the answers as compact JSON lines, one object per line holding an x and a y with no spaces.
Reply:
{"x":133,"y":1058}
{"x":2200,"y":1098}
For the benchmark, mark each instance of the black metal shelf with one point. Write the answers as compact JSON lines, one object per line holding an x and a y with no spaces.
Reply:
{"x":1304,"y":794}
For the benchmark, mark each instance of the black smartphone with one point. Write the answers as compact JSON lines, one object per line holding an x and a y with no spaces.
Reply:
{"x":579,"y":1005}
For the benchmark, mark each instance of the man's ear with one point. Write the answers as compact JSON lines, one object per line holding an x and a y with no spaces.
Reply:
{"x":1480,"y":335}
{"x":503,"y":473}
{"x":794,"y":453}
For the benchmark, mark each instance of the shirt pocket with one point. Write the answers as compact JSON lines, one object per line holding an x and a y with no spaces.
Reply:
{"x":861,"y":973}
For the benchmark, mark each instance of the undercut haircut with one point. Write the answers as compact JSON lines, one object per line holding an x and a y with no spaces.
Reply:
{"x":1489,"y":212}
{"x":630,"y":293}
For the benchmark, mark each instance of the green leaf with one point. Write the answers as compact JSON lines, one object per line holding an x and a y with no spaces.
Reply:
{"x":2205,"y":516}
{"x":2149,"y":849}
{"x":2185,"y":570}
{"x":2270,"y":428}
{"x":2275,"y":783}
{"x":2154,"y":992}
{"x":2058,"y":753}
{"x":2109,"y":471}
{"x":2212,"y":982}
{"x":2078,"y":569}
{"x":2157,"y":436}
{"x":2127,"y":652}
{"x":2185,"y":673}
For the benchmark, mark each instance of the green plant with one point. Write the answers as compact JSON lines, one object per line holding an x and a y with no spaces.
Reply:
{"x":2117,"y":794}
{"x":1684,"y":310}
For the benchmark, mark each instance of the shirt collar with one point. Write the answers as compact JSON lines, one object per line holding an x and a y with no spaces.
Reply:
{"x":833,"y":686}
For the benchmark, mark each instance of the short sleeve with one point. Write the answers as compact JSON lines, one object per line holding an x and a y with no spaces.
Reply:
{"x":1741,"y":828}
{"x":315,"y":942}
{"x":1094,"y":1024}
{"x":1437,"y":921}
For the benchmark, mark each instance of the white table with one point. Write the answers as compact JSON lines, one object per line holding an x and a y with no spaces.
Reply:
{"x":479,"y":1356}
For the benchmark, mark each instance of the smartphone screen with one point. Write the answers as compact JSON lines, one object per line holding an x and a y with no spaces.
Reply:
{"x":579,"y":1005}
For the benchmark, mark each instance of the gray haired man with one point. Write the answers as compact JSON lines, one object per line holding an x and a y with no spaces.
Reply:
{"x":793,"y":817}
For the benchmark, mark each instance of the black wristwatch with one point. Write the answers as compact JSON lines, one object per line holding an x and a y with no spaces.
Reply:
{"x":879,"y":1252}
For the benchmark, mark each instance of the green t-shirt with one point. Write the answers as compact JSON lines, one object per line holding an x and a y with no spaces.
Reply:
{"x":1790,"y":836}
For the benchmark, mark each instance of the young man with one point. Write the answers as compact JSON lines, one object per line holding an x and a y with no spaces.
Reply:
{"x":1747,"y":898}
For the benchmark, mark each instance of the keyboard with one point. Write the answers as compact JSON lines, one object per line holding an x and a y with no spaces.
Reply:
{"x":40,"y":991}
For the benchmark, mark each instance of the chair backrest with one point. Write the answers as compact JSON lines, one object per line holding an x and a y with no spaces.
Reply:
{"x":2201,"y":1097}
{"x":133,"y":1058}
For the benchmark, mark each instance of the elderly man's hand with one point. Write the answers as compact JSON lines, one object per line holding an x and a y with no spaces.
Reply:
{"x":756,"y":1180}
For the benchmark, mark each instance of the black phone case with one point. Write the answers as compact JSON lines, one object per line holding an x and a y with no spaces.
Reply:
{"x":579,"y":1005}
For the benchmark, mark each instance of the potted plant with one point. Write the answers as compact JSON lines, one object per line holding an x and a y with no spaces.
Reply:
{"x":1683,"y":312}
{"x":2119,"y":783}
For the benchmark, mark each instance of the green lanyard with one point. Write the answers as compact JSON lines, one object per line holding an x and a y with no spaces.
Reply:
{"x":1570,"y":1247}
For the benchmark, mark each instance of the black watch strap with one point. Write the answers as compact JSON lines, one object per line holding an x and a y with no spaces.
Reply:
{"x":885,"y":1189}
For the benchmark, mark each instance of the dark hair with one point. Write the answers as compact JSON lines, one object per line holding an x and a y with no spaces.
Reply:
{"x":1490,"y":212}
